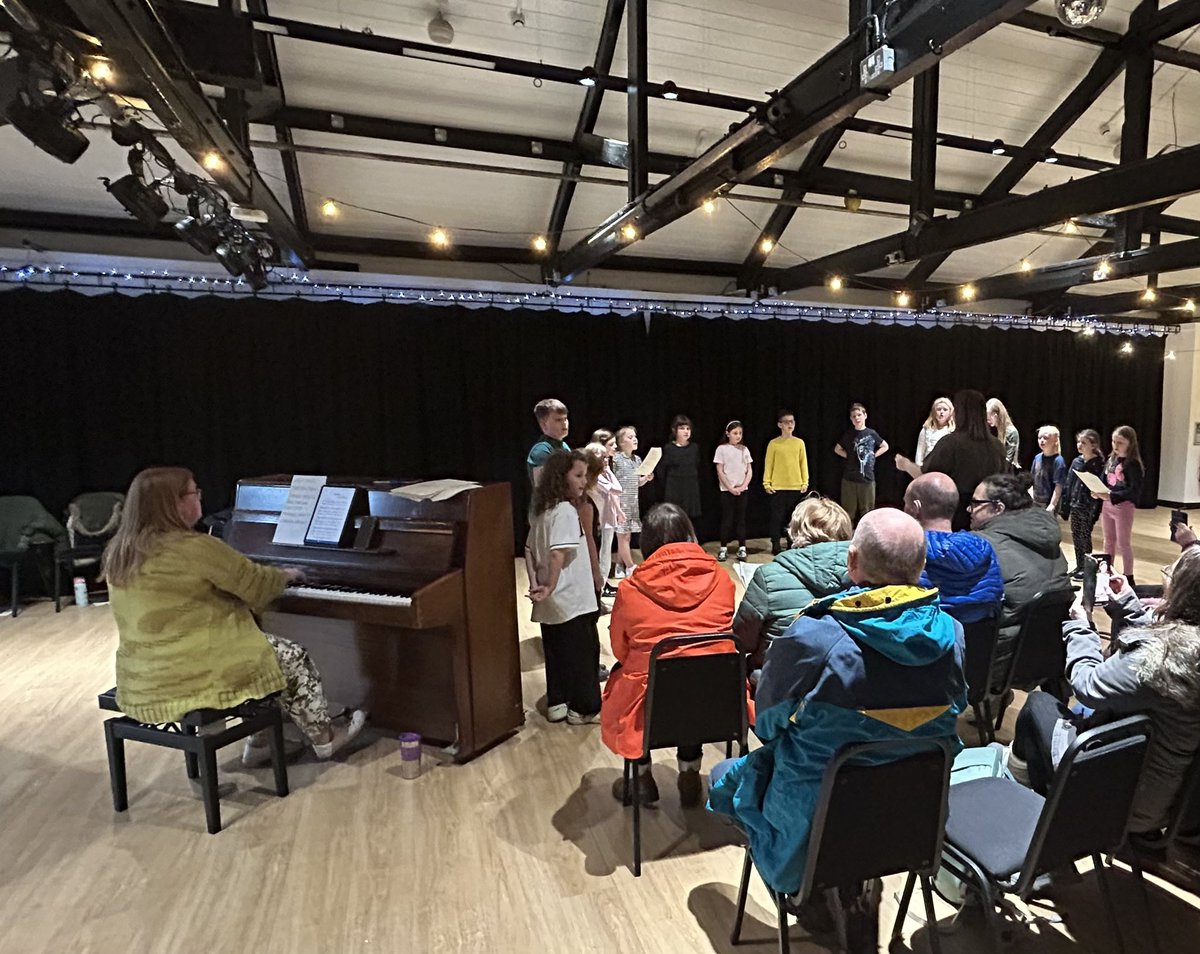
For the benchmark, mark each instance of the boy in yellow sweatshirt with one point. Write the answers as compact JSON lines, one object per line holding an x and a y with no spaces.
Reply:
{"x":785,"y":477}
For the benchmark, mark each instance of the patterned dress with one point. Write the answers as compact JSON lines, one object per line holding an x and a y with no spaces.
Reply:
{"x":625,"y":468}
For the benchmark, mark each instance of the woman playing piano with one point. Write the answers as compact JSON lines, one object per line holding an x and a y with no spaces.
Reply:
{"x":184,"y":603}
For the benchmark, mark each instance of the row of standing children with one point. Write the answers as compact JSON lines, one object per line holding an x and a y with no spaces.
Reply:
{"x":1060,"y":490}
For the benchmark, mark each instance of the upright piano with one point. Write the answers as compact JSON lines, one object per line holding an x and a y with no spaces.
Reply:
{"x":415,"y":620}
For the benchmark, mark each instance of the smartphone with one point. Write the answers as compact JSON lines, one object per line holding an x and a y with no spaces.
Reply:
{"x":1177,"y":517}
{"x":1096,"y":573}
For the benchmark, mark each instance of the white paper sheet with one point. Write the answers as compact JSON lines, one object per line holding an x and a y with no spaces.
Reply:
{"x":329,"y":519}
{"x":646,"y":468}
{"x":434,"y":489}
{"x":298,"y":510}
{"x":1093,"y":483}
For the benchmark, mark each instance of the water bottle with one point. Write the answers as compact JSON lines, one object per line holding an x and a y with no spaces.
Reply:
{"x":81,"y":592}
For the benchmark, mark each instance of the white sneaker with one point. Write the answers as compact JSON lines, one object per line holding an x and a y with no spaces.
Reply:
{"x":254,"y":756}
{"x":358,"y":719}
{"x":741,"y":554}
{"x":578,"y":718}
{"x":723,"y":553}
{"x":619,"y":571}
{"x":556,"y":713}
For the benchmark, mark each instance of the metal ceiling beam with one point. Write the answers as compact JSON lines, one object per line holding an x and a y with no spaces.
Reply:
{"x":1063,"y":275}
{"x":781,"y":215}
{"x":637,"y":123}
{"x":1097,"y":79}
{"x":1052,"y":26}
{"x":923,"y":159}
{"x":1135,"y":130}
{"x":1179,"y":16}
{"x":132,"y":31}
{"x":610,"y":29}
{"x":1159,"y":179}
{"x":269,"y":62}
{"x":1168,"y":302}
{"x":818,"y":99}
{"x":829,"y":182}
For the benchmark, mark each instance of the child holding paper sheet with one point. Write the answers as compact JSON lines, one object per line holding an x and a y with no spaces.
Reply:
{"x":625,"y":465}
{"x":1082,"y":509}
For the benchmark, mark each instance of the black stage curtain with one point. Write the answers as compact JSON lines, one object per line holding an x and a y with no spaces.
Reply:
{"x":98,"y":387}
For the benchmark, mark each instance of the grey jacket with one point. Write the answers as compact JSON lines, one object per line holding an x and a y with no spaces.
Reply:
{"x":1154,"y":669}
{"x":1028,"y":545}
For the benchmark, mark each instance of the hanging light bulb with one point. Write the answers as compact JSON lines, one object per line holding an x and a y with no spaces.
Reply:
{"x":1190,"y":306}
{"x":709,"y":206}
{"x":766,"y":245}
{"x":1077,"y":13}
{"x":629,"y":231}
{"x":439,"y":238}
{"x":967,"y":293}
{"x":540,"y":244}
{"x":903,"y":298}
{"x":1026,"y":265}
{"x":212,"y":161}
{"x":329,"y":209}
{"x":100,"y":69}
{"x":1149,"y":294}
{"x":836,"y":283}
{"x":1070,"y":227}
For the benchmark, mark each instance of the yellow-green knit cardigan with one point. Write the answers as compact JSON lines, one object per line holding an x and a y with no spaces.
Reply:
{"x":187,"y":636}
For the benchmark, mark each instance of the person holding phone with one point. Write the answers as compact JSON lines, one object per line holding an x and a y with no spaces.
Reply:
{"x":1153,"y":668}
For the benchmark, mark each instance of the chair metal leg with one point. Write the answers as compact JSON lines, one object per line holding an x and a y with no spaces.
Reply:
{"x":839,"y":917}
{"x":57,"y":586}
{"x":16,"y":590}
{"x":1106,"y":894}
{"x":743,"y":888}
{"x":208,"y":789}
{"x":116,"y":766}
{"x":637,"y":820}
{"x":729,"y":749}
{"x":278,"y":758}
{"x":1141,"y":883}
{"x":935,"y":942}
{"x":784,"y":943}
{"x":905,"y":898}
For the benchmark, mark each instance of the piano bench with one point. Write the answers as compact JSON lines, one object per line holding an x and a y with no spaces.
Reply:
{"x":199,"y":748}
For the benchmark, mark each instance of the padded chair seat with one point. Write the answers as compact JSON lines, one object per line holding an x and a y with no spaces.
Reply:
{"x":992,"y":820}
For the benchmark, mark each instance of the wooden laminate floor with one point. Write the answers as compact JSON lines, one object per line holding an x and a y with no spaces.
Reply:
{"x":522,"y":850}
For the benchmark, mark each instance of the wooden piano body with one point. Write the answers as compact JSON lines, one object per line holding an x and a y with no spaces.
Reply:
{"x":445,"y":665}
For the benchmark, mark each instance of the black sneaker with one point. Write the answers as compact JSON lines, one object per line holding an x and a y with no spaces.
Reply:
{"x":609,"y":591}
{"x":647,"y":790}
{"x":1077,"y":574}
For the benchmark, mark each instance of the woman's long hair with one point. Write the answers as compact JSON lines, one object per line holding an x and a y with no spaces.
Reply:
{"x":931,"y":421}
{"x":1169,"y":664}
{"x":1132,"y":452}
{"x":151,"y":512}
{"x":1003,"y":421}
{"x":970,"y":415}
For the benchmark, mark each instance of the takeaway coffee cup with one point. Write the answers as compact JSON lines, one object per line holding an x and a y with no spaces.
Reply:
{"x":410,"y":755}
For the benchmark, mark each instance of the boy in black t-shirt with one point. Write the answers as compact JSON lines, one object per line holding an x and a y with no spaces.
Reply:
{"x":860,"y":446}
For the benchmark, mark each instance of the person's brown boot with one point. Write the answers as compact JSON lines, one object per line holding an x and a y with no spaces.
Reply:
{"x":647,"y":790}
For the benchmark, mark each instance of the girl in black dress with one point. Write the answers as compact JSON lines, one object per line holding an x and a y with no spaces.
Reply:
{"x":680,"y":468}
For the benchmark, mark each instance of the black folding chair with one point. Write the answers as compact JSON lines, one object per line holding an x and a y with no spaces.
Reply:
{"x":1001,"y":836}
{"x":1039,"y":656}
{"x":980,"y":638}
{"x":690,"y":700}
{"x":858,"y":835}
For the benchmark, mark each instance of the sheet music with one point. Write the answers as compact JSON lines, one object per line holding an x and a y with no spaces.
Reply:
{"x":646,"y":468}
{"x":434,"y":489}
{"x":329,"y":518}
{"x":298,"y":510}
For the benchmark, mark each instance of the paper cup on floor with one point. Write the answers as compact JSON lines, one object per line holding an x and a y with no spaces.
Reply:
{"x":410,"y":755}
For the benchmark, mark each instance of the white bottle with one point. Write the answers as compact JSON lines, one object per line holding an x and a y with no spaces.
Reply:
{"x":81,"y":591}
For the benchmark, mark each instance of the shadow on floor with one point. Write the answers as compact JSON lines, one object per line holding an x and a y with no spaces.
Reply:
{"x":602,"y":828}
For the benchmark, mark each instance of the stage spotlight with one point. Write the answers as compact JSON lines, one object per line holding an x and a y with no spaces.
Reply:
{"x":142,"y":203}
{"x":203,"y":238}
{"x":46,"y":127}
{"x":233,"y":254}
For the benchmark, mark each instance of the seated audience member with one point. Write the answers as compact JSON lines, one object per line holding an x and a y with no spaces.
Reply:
{"x":1153,"y":668}
{"x":814,"y":567}
{"x":185,"y":606}
{"x":677,"y":589}
{"x":1027,"y":542}
{"x":968,"y":454}
{"x":880,"y":661}
{"x":961,"y":565}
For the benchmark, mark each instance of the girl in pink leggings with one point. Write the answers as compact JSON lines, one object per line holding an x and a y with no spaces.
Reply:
{"x":1123,"y":474}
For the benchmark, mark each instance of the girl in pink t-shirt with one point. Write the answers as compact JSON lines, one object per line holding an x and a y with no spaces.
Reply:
{"x":733,"y":462}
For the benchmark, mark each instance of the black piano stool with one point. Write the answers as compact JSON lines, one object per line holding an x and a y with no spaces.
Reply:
{"x":199,"y":750}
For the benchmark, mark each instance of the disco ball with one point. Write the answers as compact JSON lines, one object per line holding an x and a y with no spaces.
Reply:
{"x":1077,"y":13}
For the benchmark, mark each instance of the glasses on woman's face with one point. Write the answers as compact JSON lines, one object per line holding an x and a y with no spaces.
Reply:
{"x":197,"y":491}
{"x":976,"y":504}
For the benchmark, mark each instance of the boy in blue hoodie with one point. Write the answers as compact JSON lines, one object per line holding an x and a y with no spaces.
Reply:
{"x":879,"y":661}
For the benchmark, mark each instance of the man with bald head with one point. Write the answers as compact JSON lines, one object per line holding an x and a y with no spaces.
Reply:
{"x":962,"y":566}
{"x":879,"y":661}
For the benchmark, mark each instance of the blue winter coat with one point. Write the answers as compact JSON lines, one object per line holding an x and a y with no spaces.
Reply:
{"x":964,"y":569}
{"x":865,"y":665}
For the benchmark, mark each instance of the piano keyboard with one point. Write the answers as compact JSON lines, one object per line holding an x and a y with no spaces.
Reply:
{"x":345,"y":594}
